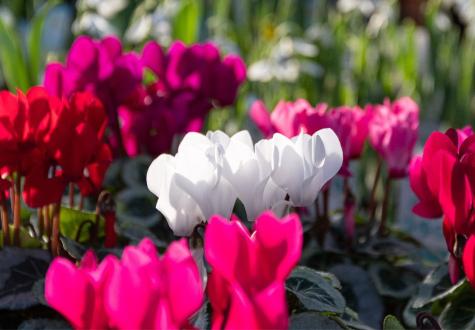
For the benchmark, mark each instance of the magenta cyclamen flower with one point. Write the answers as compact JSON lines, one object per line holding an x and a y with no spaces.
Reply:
{"x":140,"y":291}
{"x":393,"y":131}
{"x":246,"y":285}
{"x":100,"y":67}
{"x":190,"y":82}
{"x":198,"y":68}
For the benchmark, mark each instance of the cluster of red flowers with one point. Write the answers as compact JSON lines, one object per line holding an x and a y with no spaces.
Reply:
{"x":49,"y":143}
{"x":443,"y":178}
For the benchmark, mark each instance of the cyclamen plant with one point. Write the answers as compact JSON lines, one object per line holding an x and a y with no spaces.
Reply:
{"x":50,"y":144}
{"x":191,"y":81}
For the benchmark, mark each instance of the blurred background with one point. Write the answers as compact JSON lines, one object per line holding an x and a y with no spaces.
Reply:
{"x":334,"y":51}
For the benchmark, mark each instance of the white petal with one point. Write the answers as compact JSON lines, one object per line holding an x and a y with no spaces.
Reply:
{"x":160,"y":173}
{"x":218,"y":137}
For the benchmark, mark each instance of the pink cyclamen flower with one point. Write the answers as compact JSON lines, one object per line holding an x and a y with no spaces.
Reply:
{"x":351,"y":126}
{"x":78,"y":292}
{"x":393,"y":133}
{"x":289,"y":118}
{"x":140,"y":291}
{"x":248,"y":271}
{"x":100,"y":67}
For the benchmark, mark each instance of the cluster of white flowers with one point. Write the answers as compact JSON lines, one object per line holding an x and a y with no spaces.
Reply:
{"x":210,"y":172}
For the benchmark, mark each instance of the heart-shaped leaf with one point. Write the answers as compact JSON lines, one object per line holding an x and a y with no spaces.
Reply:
{"x":314,"y":291}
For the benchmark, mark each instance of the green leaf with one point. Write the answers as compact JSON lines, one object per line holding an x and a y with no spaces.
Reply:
{"x":71,"y":220}
{"x":392,"y":281}
{"x":459,"y":313}
{"x":20,"y":269}
{"x":12,"y":59}
{"x":34,"y":40}
{"x":436,"y":286}
{"x":311,"y":321}
{"x":75,"y":249}
{"x":135,"y":232}
{"x":391,"y":323}
{"x":185,"y":25}
{"x":134,"y":171}
{"x":360,"y":293}
{"x":44,"y":324}
{"x":314,"y":291}
{"x":137,"y":205}
{"x":26,"y":240}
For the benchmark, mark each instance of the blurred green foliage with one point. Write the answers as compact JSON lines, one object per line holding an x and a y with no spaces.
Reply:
{"x":334,"y":51}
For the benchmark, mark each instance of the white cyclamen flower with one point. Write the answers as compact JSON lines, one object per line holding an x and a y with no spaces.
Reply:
{"x":190,"y":186}
{"x":246,"y":173}
{"x":303,"y":164}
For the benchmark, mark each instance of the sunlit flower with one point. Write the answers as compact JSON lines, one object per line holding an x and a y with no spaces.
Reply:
{"x":249,"y":270}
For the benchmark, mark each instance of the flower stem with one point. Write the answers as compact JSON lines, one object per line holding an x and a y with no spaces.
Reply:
{"x":17,"y":211}
{"x":5,"y":223}
{"x":322,"y":222}
{"x":55,"y":244}
{"x":81,"y":202}
{"x":71,"y":195}
{"x":372,"y":200}
{"x":47,"y":225}
{"x":41,"y":222}
{"x":385,"y":211}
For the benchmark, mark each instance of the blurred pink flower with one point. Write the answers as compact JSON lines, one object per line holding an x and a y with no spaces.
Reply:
{"x":190,"y":82}
{"x":393,"y":131}
{"x":148,"y":292}
{"x":78,"y":292}
{"x":289,"y":118}
{"x":246,"y":286}
{"x":351,"y":126}
{"x":99,"y":67}
{"x":197,"y":68}
{"x":140,"y":291}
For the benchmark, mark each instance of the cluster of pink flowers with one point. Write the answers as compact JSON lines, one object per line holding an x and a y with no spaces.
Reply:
{"x":144,"y":291}
{"x":443,"y":178}
{"x":145,"y":118}
{"x":391,"y":128}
